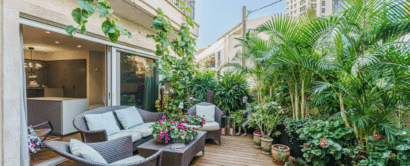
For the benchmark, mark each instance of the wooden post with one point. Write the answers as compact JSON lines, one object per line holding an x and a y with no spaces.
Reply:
{"x":210,"y":96}
{"x":244,"y":31}
{"x":161,"y":93}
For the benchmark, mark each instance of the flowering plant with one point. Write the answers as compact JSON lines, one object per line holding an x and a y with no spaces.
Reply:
{"x":167,"y":131}
{"x":193,"y":120}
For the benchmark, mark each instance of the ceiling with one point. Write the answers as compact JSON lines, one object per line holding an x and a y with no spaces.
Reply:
{"x":45,"y":41}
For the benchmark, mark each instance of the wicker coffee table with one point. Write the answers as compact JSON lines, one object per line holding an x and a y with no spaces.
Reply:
{"x":174,"y":157}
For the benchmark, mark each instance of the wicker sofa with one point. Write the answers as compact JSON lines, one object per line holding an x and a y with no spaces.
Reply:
{"x":211,"y":134}
{"x":111,"y":151}
{"x":80,"y":124}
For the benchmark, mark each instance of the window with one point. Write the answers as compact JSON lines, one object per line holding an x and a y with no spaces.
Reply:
{"x":323,"y":10}
{"x":302,"y":9}
{"x":337,"y":6}
{"x":314,"y":6}
{"x":323,"y":3}
{"x":302,"y":2}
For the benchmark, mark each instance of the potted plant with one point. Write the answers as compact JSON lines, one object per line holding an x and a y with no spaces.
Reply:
{"x":280,"y":153}
{"x":266,"y":118}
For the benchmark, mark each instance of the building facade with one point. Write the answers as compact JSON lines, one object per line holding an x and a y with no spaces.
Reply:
{"x":322,"y":7}
{"x":225,"y":49}
{"x":26,"y":23}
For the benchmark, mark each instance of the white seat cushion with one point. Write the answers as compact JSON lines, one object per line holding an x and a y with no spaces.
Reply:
{"x":208,"y":111}
{"x":143,"y":129}
{"x":86,"y":152}
{"x":210,"y":126}
{"x":129,"y":117}
{"x":105,"y":121}
{"x":129,"y":160}
{"x":135,"y":135}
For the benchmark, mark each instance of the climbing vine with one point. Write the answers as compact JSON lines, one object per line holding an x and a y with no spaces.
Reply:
{"x":110,"y":26}
{"x":179,"y":70}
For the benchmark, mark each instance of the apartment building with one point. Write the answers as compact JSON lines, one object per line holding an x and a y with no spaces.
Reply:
{"x":40,"y":63}
{"x":322,"y":7}
{"x":225,"y":49}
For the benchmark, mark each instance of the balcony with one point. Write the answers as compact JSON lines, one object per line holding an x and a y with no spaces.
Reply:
{"x":188,"y":3}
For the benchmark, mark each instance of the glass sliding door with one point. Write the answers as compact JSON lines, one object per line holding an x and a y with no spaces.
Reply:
{"x":138,"y":81}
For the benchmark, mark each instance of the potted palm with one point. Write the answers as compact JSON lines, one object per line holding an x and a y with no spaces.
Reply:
{"x":266,"y":118}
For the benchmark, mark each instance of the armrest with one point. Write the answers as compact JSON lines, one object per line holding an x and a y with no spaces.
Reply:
{"x":218,"y":116}
{"x":95,"y":136}
{"x":150,"y":116}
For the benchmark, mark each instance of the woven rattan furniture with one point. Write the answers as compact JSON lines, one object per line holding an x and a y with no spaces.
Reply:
{"x":172,"y":157}
{"x":98,"y":136}
{"x":43,"y":130}
{"x":111,"y":151}
{"x":216,"y":134}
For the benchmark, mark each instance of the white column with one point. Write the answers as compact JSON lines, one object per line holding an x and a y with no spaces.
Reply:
{"x":10,"y":88}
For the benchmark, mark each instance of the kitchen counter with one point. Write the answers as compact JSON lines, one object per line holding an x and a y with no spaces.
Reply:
{"x":54,"y":98}
{"x":60,"y":111}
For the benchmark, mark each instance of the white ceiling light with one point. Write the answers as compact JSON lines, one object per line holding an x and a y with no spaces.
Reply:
{"x":48,"y":32}
{"x":79,"y":46}
{"x":57,"y":42}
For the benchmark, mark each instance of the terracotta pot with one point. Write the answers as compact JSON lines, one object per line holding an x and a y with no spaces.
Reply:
{"x":275,"y":152}
{"x":266,"y":145}
{"x":257,"y":140}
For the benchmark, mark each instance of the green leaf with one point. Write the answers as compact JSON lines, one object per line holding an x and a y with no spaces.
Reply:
{"x":114,"y":36}
{"x":87,"y":5}
{"x":335,"y":147}
{"x":108,"y":27}
{"x":403,"y":147}
{"x":83,"y":29}
{"x":104,"y":9}
{"x":70,"y":30}
{"x":77,"y":16}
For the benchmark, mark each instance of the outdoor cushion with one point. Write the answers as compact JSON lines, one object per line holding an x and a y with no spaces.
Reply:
{"x":129,"y":117}
{"x":84,"y":151}
{"x":128,"y":160}
{"x":210,"y":126}
{"x":105,"y":121}
{"x":135,"y":135}
{"x":143,"y":129}
{"x":208,"y":111}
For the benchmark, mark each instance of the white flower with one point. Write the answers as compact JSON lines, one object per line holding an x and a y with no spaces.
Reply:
{"x":162,"y":87}
{"x":171,"y":91}
{"x":404,"y":133}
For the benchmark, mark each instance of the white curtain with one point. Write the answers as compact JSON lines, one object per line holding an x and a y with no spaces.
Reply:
{"x":24,"y":155}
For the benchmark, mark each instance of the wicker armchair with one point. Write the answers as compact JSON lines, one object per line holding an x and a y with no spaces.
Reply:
{"x":99,"y":136}
{"x":215,"y":135}
{"x":111,"y":151}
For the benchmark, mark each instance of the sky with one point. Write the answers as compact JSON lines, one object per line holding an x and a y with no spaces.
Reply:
{"x":216,"y":17}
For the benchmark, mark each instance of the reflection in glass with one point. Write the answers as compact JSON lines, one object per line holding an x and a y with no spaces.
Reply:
{"x":139,"y":83}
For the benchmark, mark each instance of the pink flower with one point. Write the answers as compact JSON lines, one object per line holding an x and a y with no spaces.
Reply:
{"x":281,"y":116}
{"x":170,"y":128}
{"x":376,"y":136}
{"x":315,"y":114}
{"x":162,"y":87}
{"x":164,"y":117}
{"x":311,"y":121}
{"x":171,"y":91}
{"x":156,"y":122}
{"x":304,"y":144}
{"x":204,"y":115}
{"x":171,"y":121}
{"x":323,"y":142}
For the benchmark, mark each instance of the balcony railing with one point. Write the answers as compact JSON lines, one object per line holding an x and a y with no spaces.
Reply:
{"x":189,"y":4}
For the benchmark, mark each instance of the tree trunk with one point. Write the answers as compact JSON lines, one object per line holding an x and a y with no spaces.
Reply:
{"x":271,"y":91}
{"x":302,"y":107}
{"x":291,"y":100}
{"x":342,"y":110}
{"x":296,"y":101}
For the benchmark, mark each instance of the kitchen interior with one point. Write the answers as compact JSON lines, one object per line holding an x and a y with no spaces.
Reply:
{"x":65,"y":76}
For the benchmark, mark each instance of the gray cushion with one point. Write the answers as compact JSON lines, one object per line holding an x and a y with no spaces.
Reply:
{"x":128,"y":160}
{"x":134,"y":135}
{"x":210,"y":126}
{"x":129,"y":117}
{"x":208,"y":111}
{"x":105,"y":121}
{"x":143,"y":129}
{"x":82,"y":150}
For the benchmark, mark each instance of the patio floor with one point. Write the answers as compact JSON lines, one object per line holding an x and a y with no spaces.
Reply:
{"x":235,"y":150}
